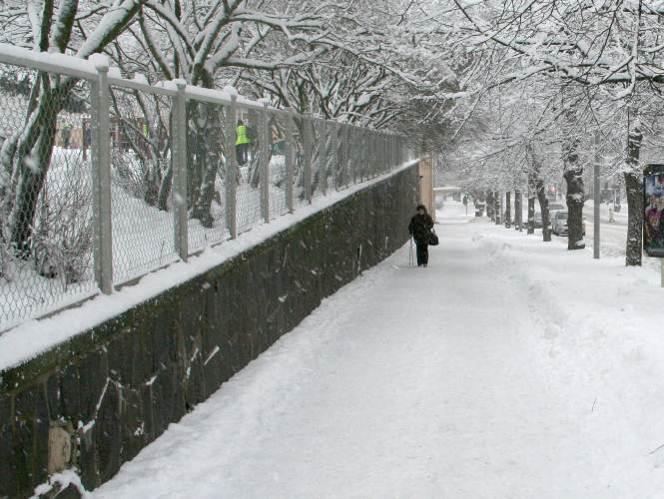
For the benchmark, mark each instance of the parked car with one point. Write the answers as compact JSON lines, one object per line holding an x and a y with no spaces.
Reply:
{"x":559,"y":223}
{"x":479,"y":208}
{"x":553,"y":207}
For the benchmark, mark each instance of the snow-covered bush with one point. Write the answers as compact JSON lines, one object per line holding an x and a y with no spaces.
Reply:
{"x":62,"y":240}
{"x":131,"y":173}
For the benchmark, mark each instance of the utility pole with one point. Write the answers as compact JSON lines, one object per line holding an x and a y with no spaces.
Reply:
{"x":596,"y":198}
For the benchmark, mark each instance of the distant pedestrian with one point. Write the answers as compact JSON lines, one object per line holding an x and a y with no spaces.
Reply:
{"x":242,"y":142}
{"x":420,"y":229}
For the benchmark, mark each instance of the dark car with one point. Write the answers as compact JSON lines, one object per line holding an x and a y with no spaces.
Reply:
{"x":479,"y":208}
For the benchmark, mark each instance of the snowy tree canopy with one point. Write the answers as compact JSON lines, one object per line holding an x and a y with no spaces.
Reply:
{"x":485,"y":82}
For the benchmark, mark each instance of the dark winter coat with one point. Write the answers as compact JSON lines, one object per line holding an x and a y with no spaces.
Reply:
{"x":420,"y":228}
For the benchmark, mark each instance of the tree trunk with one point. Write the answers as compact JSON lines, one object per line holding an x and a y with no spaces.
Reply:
{"x":253,"y":121}
{"x":489,"y":206}
{"x":202,"y":209}
{"x":165,"y":188}
{"x":497,"y":199}
{"x":531,"y":215}
{"x":508,"y":209}
{"x":204,"y":159}
{"x":544,"y":209}
{"x":634,"y":190}
{"x":27,"y":155}
{"x":30,"y":184}
{"x":518,"y":211}
{"x":573,"y":174}
{"x":533,"y":174}
{"x":195,"y":151}
{"x":575,"y":199}
{"x":152,"y":183}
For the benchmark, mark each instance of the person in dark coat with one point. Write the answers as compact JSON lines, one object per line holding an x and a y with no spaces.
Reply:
{"x":420,"y":229}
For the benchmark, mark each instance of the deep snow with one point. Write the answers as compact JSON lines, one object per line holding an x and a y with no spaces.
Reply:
{"x":509,"y":368}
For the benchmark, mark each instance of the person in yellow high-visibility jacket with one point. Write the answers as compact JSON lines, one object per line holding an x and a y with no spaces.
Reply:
{"x":242,"y":142}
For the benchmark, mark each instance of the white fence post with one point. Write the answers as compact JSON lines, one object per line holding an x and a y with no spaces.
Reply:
{"x":307,"y":138}
{"x":265,"y":141}
{"x":290,"y":163}
{"x":179,"y":159}
{"x":341,"y":154}
{"x":354,"y":150}
{"x":334,"y":143}
{"x":596,"y":197}
{"x":345,"y":147}
{"x":371,"y":153}
{"x":363,"y":154}
{"x":101,"y":178}
{"x":322,"y":156}
{"x":231,"y":168}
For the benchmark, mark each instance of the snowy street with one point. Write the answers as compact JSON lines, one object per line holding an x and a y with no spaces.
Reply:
{"x":509,"y":368}
{"x":613,"y":235}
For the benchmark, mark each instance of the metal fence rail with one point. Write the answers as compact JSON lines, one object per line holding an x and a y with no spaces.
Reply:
{"x":104,"y":179}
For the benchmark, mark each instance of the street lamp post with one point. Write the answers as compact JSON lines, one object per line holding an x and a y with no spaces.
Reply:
{"x":596,"y":199}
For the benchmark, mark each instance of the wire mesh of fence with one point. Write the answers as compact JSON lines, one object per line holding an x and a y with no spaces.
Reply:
{"x":45,"y":192}
{"x":279,"y":173}
{"x":141,"y":182}
{"x":104,"y":179}
{"x":208,"y":173}
{"x":249,"y":159}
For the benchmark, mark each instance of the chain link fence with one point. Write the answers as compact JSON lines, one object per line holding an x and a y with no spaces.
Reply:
{"x":142,"y":225}
{"x":279,"y":175}
{"x":104,"y":179}
{"x":45,"y":193}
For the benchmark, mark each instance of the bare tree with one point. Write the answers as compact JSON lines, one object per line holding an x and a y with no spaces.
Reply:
{"x":70,"y":27}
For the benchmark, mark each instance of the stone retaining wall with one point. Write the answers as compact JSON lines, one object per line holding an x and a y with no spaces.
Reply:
{"x":105,"y":394}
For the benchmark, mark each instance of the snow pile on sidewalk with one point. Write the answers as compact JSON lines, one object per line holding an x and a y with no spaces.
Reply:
{"x":508,"y":368}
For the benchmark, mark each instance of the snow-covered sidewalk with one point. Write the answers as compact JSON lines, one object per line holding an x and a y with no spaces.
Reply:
{"x":509,"y":368}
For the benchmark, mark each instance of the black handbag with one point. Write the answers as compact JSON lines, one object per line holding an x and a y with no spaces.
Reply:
{"x":433,"y":238}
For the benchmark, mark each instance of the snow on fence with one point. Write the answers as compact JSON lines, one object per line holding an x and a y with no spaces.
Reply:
{"x":104,"y":179}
